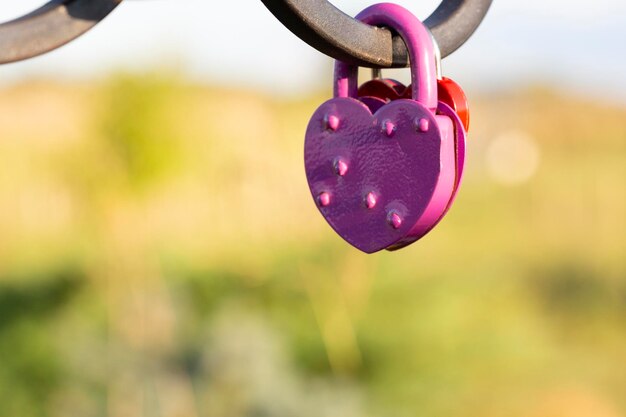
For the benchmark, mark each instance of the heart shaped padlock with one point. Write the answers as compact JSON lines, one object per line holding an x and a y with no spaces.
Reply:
{"x":382,"y":180}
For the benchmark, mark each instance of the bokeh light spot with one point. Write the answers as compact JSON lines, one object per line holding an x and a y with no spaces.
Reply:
{"x":512,"y":158}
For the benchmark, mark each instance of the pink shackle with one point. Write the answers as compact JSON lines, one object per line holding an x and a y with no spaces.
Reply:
{"x":418,"y":42}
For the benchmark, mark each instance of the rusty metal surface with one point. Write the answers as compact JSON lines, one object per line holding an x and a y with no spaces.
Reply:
{"x":329,"y":30}
{"x":49,"y":27}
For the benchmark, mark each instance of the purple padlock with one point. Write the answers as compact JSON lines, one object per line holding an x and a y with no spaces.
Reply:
{"x":384,"y":180}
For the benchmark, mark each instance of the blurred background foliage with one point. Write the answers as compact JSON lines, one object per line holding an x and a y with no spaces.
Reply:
{"x":160,"y":256}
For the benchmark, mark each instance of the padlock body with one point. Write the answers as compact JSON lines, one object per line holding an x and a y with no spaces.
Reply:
{"x":409,"y":169}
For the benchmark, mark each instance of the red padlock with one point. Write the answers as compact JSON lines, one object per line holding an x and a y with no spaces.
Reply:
{"x":451,"y":93}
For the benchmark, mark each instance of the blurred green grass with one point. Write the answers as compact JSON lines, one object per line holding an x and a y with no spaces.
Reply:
{"x":160,"y":256}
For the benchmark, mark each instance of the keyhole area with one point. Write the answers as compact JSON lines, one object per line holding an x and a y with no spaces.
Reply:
{"x":10,"y":10}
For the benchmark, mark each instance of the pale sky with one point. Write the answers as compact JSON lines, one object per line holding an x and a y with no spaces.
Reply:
{"x":577,"y":45}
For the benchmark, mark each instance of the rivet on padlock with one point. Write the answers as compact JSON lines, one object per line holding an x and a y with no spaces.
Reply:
{"x":422,"y":125}
{"x":388,"y":127}
{"x":331,"y":122}
{"x":324,"y":199}
{"x":340,"y":166}
{"x":394,"y":219}
{"x":371,"y":200}
{"x":402,"y":157}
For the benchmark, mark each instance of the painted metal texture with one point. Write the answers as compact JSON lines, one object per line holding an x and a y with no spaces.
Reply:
{"x":400,"y":162}
{"x":376,"y":93}
{"x":460,"y":145}
{"x":50,"y":27}
{"x":385,"y":156}
{"x":386,"y":90}
{"x":334,"y":33}
{"x":453,"y":95}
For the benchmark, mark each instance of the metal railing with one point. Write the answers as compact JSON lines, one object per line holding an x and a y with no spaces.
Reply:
{"x":317,"y":22}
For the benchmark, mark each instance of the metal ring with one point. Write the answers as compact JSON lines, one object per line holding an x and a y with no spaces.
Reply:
{"x":329,"y":30}
{"x":49,"y":27}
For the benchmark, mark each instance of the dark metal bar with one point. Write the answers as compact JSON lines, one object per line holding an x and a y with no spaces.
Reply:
{"x":329,"y":30}
{"x":50,"y":27}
